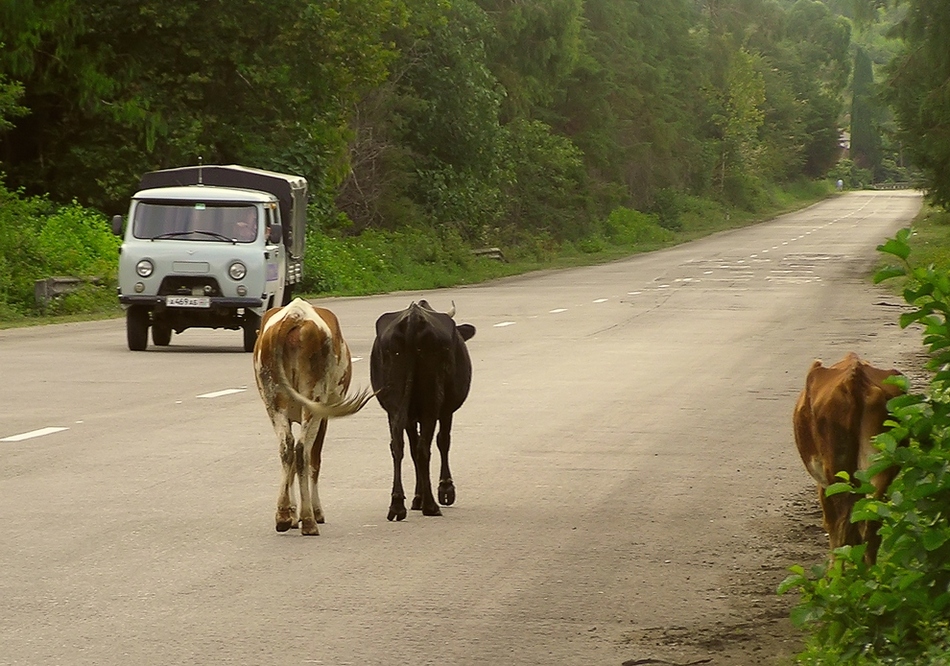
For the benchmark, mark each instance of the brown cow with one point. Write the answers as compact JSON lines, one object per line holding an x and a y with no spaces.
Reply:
{"x":840,"y":409}
{"x":302,"y":367}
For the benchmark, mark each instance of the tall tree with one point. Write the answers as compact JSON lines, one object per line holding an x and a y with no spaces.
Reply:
{"x":917,"y":89}
{"x":865,"y":132}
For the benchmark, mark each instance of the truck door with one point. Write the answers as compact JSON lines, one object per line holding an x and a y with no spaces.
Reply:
{"x":276,"y":258}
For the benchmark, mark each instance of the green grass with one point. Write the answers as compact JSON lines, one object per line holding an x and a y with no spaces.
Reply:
{"x":930,"y":242}
{"x":418,"y":259}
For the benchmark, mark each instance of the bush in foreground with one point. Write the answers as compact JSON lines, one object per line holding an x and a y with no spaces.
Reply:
{"x":896,"y":611}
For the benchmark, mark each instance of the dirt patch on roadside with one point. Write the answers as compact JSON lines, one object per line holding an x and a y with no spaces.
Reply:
{"x":787,"y":532}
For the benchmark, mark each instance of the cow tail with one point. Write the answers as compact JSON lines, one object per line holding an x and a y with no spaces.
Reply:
{"x":344,"y":407}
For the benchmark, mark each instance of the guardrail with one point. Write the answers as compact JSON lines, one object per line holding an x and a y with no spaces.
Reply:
{"x":490,"y":253}
{"x":46,"y":290}
{"x":892,"y":186}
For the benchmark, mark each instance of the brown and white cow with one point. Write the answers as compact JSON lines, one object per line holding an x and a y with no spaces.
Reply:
{"x":838,"y":412}
{"x":302,"y":367}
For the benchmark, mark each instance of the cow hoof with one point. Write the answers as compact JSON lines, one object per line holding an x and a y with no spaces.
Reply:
{"x":397,"y":513}
{"x":416,"y":503}
{"x":446,"y":493}
{"x":433,"y":510}
{"x":285,"y":519}
{"x":309,"y":528}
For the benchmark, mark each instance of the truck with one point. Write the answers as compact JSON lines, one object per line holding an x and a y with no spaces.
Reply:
{"x":209,"y":246}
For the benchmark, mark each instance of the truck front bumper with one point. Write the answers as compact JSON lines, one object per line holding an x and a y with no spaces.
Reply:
{"x":224,"y":302}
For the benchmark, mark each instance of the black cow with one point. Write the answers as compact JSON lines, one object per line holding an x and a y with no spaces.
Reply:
{"x":421,"y":371}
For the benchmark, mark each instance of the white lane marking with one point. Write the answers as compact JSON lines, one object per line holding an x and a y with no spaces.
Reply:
{"x":32,"y":434}
{"x":218,"y":394}
{"x":601,"y":300}
{"x":557,"y":310}
{"x":634,"y":293}
{"x":504,"y":323}
{"x":356,"y":358}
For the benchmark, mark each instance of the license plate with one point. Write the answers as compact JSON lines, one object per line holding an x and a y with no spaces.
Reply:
{"x":188,"y":301}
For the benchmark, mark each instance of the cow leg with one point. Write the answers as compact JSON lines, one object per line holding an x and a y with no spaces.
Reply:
{"x":422,"y":448}
{"x":315,"y":458}
{"x":304,"y":454}
{"x":413,"y":434}
{"x":397,"y":505}
{"x":286,"y":517}
{"x":836,"y":511}
{"x":446,"y":487}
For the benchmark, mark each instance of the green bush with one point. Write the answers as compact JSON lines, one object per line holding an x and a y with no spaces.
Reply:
{"x":896,"y":611}
{"x":628,"y":227}
{"x":379,"y":261}
{"x":39,"y":240}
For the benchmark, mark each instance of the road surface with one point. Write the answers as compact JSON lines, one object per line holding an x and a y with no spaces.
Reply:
{"x":628,"y":487}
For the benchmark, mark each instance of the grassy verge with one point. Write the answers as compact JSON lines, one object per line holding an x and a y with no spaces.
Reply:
{"x":930,"y":242}
{"x":417,"y":259}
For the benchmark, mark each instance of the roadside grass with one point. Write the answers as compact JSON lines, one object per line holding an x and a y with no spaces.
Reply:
{"x":377,"y":262}
{"x":930,"y":241}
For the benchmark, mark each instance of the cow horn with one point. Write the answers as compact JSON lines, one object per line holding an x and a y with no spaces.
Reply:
{"x":451,"y":312}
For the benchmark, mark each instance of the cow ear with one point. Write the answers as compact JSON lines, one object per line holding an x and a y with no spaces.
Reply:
{"x":466,"y":331}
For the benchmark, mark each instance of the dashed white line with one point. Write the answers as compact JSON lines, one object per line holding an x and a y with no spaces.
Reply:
{"x":33,"y":433}
{"x":557,"y":310}
{"x":218,"y":394}
{"x":601,"y":300}
{"x":502,"y":324}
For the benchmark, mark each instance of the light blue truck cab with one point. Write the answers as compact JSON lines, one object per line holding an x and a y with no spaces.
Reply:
{"x":209,"y":247}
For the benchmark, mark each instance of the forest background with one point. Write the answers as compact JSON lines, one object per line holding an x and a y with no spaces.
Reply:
{"x":552,"y":129}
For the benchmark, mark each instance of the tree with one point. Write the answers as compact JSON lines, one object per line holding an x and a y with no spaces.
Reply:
{"x":917,"y":91}
{"x":116,"y":89}
{"x":865,"y":132}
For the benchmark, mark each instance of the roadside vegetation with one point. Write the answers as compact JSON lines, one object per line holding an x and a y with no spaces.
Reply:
{"x":897,"y":610}
{"x":39,"y":239}
{"x":560,"y":131}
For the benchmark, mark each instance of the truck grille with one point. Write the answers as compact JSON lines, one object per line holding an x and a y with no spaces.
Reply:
{"x":189,"y":285}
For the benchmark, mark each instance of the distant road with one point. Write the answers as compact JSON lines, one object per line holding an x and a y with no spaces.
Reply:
{"x":625,"y":472}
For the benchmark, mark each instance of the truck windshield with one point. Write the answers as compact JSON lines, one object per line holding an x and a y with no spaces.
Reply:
{"x":195,"y":222}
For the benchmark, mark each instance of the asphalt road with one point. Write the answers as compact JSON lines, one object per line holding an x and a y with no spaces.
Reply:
{"x":623,"y":465}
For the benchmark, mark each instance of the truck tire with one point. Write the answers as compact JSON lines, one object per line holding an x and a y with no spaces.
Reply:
{"x":251,"y":323}
{"x":161,"y":334}
{"x":136,"y":327}
{"x":288,"y":295}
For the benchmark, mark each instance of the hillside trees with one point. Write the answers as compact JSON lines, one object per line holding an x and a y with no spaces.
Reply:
{"x":917,"y":90}
{"x":483,"y":116}
{"x":115,"y":89}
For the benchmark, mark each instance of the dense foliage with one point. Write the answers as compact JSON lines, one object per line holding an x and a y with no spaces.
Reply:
{"x":493,"y":117}
{"x":917,"y":90}
{"x":896,"y":611}
{"x":39,"y":239}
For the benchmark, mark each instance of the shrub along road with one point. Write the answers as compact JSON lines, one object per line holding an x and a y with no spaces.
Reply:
{"x":628,"y":485}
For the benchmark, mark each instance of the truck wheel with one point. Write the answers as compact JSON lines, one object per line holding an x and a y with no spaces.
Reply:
{"x":136,"y":327}
{"x":251,"y":323}
{"x":161,"y":334}
{"x":288,"y":295}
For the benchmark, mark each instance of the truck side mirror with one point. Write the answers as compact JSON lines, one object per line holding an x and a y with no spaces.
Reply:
{"x":275,"y":235}
{"x":117,"y":225}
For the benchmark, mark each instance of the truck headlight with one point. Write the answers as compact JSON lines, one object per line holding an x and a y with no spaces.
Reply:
{"x":237,"y":270}
{"x":144,"y":268}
